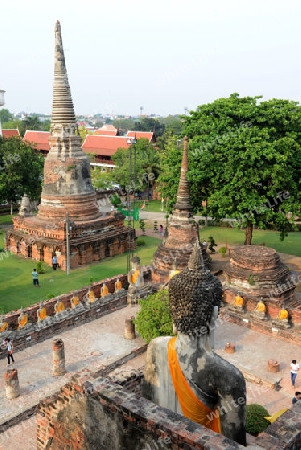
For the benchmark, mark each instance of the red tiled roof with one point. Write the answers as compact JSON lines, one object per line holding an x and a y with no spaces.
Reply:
{"x":107,"y":130}
{"x":39,"y":138}
{"x":10,"y":133}
{"x":141,"y":135}
{"x":104,"y":145}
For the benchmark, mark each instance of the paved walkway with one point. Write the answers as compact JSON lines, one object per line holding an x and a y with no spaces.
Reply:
{"x":101,"y":342}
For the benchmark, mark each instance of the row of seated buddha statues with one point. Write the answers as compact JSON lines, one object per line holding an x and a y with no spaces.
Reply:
{"x":61,"y":313}
{"x":260,"y":311}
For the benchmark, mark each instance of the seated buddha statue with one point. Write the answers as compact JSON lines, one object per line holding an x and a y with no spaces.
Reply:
{"x":59,"y":307}
{"x":22,"y":319}
{"x":74,"y":301}
{"x":283,"y":314}
{"x":118,"y":285}
{"x":260,"y":310}
{"x":200,"y":386}
{"x":90,"y":297}
{"x":260,"y":306}
{"x":3,"y":325}
{"x":41,"y":313}
{"x":239,"y":301}
{"x":104,"y":290}
{"x":135,"y":280}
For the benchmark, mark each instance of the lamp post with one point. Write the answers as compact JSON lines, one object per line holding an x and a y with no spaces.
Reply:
{"x":131,"y":190}
{"x":2,"y":103}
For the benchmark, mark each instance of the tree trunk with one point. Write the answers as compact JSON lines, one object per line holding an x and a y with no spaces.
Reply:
{"x":249,"y":232}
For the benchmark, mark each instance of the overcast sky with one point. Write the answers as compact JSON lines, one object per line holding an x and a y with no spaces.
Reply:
{"x":162,"y":55}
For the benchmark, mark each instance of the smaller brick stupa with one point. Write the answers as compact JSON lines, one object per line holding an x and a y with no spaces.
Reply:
{"x":181,"y":233}
{"x":256,"y":273}
{"x":68,"y":211}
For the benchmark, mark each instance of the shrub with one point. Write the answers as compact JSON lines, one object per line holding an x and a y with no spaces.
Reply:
{"x":154,"y":318}
{"x":223,"y":251}
{"x":251,"y":280}
{"x":40,"y":268}
{"x":255,"y":421}
{"x":155,"y":226}
{"x":140,"y":242}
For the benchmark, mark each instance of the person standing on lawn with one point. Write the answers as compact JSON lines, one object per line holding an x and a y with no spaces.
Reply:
{"x":35,"y":278}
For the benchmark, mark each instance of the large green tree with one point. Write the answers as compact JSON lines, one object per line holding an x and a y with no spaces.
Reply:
{"x":245,"y":161}
{"x":21,"y":170}
{"x":136,"y":167}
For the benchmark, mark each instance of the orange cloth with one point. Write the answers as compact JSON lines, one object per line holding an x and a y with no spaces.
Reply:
{"x":191,"y":406}
{"x":135,"y":276}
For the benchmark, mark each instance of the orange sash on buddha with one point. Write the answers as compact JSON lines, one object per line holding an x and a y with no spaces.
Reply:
{"x":191,"y":406}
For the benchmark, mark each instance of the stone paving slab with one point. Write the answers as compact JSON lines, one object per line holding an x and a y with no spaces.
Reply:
{"x":92,"y":345}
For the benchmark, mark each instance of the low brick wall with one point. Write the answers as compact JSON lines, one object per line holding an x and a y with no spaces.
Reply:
{"x":92,"y":413}
{"x":28,"y":338}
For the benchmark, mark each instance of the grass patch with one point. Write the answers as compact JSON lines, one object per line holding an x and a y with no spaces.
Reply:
{"x":6,"y":220}
{"x":16,"y":281}
{"x":234,"y":236}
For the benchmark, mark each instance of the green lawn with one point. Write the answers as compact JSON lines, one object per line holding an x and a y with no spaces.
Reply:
{"x":151,"y":206}
{"x":16,"y":281}
{"x":290,"y":245}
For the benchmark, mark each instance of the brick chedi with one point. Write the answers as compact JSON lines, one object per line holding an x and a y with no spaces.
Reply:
{"x":256,"y":272}
{"x":68,"y":195}
{"x":182,"y":231}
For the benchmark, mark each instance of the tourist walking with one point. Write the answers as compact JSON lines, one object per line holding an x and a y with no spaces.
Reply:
{"x":35,"y":278}
{"x":54,"y":262}
{"x":294,"y":370}
{"x":161,"y":230}
{"x":10,"y":350}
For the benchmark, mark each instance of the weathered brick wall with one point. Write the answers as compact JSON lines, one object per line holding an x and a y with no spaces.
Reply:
{"x":91,"y":414}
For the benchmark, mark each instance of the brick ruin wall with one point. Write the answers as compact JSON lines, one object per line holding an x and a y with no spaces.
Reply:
{"x":95,"y":413}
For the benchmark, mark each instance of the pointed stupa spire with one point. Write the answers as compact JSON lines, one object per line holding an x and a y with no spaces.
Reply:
{"x":62,"y":106}
{"x":183,"y":195}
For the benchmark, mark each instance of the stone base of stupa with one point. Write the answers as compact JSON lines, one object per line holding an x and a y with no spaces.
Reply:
{"x":90,"y":240}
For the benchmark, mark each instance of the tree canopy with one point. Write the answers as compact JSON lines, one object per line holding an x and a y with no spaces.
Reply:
{"x":21,"y":170}
{"x":244,"y":161}
{"x":146,"y":159}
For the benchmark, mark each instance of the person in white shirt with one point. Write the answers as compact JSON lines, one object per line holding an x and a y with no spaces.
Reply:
{"x":10,"y":349}
{"x":294,"y":370}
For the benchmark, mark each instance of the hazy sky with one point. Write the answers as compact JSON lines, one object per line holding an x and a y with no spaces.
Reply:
{"x":164,"y":55}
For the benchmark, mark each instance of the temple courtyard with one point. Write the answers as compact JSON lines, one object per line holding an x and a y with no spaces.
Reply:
{"x":101,"y":343}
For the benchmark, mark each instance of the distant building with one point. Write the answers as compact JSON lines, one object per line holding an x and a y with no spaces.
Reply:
{"x":6,"y":134}
{"x":39,"y":139}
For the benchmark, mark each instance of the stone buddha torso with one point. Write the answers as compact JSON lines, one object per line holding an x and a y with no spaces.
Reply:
{"x":118,"y":285}
{"x":90,"y":297}
{"x":59,"y":307}
{"x":104,"y":290}
{"x":41,"y":313}
{"x":22,"y":320}
{"x":210,"y":381}
{"x":134,"y":276}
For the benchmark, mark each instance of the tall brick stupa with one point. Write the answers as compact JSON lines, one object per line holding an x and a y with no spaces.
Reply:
{"x":68,"y":200}
{"x":181,"y":233}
